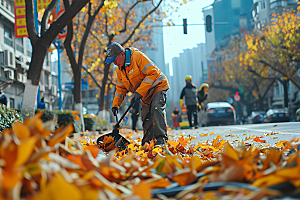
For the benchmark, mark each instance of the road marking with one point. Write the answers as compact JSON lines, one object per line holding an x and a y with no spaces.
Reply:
{"x":266,"y":131}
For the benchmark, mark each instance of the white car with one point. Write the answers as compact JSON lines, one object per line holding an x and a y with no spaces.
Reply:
{"x":219,"y":113}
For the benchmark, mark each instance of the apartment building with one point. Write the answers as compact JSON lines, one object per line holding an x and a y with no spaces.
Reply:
{"x":262,"y":11}
{"x":15,"y":57}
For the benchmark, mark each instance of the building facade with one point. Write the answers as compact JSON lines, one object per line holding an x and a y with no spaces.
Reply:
{"x":190,"y":62}
{"x":262,"y":11}
{"x":15,"y":57}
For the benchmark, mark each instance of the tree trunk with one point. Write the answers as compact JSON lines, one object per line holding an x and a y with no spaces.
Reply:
{"x":104,"y":81}
{"x":33,"y":77}
{"x":261,"y":103}
{"x":285,"y":90}
{"x":107,"y":107}
{"x":77,"y":94}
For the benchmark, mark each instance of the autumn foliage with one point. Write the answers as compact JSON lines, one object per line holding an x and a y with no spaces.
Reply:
{"x":37,"y":162}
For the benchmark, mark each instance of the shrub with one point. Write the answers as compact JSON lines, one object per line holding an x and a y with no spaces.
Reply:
{"x":8,"y":117}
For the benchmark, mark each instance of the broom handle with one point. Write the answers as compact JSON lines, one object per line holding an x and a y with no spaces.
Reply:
{"x":131,"y":104}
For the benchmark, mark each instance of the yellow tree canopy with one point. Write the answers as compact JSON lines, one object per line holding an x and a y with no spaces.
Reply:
{"x":275,"y":48}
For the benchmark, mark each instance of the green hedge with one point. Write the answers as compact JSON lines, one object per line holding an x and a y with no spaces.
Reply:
{"x":47,"y":115}
{"x":91,"y":122}
{"x":8,"y":117}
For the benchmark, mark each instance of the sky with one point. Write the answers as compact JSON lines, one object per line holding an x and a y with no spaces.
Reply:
{"x":174,"y":39}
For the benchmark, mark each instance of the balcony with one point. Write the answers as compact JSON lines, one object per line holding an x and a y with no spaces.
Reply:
{"x":20,"y":47}
{"x":8,"y":41}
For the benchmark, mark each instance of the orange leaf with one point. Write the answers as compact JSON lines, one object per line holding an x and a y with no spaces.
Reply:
{"x":93,"y":149}
{"x":230,"y":152}
{"x":24,"y":150}
{"x":10,"y":178}
{"x":61,"y":136}
{"x":77,"y":159}
{"x":67,"y":190}
{"x":185,"y":177}
{"x":21,"y":130}
{"x":259,"y":140}
{"x":142,"y":190}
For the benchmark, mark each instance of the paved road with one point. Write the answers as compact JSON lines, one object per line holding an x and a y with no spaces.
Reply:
{"x":286,"y":131}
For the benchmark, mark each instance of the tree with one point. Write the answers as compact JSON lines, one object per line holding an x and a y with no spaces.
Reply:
{"x":127,"y":23}
{"x":93,"y":10}
{"x":40,"y":45}
{"x":232,"y":75}
{"x":273,"y":51}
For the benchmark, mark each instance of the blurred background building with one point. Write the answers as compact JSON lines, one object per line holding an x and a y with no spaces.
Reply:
{"x":15,"y":57}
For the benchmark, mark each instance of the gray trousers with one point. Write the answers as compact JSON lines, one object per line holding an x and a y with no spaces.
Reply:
{"x":154,"y":118}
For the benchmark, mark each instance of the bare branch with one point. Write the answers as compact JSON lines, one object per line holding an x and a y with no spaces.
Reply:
{"x":86,"y":33}
{"x":46,"y":16}
{"x":268,"y":88}
{"x":126,"y":16}
{"x":91,"y":75}
{"x":68,"y":40}
{"x":30,"y":22}
{"x":63,"y":20}
{"x":106,"y":20}
{"x":141,"y":21}
{"x":257,"y":74}
{"x":98,"y":39}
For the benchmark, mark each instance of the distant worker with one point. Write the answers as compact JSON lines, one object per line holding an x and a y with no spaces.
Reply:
{"x":201,"y":95}
{"x":138,"y":74}
{"x":41,"y":104}
{"x":189,"y":92}
{"x":175,"y":116}
{"x":3,"y":99}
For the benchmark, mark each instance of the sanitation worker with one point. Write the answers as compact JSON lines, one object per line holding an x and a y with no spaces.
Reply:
{"x":138,"y":74}
{"x":189,"y":92}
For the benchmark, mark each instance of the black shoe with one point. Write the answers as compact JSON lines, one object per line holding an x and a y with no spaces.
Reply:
{"x":159,"y":143}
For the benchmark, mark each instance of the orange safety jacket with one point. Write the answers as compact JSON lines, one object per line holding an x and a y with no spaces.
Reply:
{"x":140,"y":75}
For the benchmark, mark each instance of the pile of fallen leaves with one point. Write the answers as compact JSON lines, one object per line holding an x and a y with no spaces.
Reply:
{"x":39,"y":163}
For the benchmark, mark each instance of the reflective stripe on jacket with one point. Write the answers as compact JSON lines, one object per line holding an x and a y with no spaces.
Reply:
{"x":139,"y":75}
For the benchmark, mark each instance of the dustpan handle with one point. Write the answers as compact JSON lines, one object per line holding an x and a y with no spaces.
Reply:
{"x":131,"y":104}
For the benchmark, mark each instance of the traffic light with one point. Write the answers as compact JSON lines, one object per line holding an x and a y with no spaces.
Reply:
{"x":237,"y":93}
{"x":208,"y":23}
{"x":184,"y":26}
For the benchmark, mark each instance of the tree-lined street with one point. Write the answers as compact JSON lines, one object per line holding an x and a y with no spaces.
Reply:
{"x":247,"y":71}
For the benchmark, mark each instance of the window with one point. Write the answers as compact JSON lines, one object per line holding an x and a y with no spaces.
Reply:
{"x":20,"y":44}
{"x":47,"y":59}
{"x":263,"y":21}
{"x":28,"y":47}
{"x":8,"y":36}
{"x":262,"y":5}
{"x":275,"y":4}
{"x":46,"y":81}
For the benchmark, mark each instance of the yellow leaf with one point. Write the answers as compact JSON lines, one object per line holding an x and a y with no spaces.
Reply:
{"x":59,"y":188}
{"x":24,"y":150}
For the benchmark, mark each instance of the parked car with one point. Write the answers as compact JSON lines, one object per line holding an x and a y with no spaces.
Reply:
{"x":297,"y":115}
{"x":277,"y":115}
{"x":256,"y":117}
{"x":219,"y":113}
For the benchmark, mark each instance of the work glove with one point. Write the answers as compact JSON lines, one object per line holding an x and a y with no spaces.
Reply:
{"x":115,"y":110}
{"x":199,"y":106}
{"x":181,"y":103}
{"x":137,"y":96}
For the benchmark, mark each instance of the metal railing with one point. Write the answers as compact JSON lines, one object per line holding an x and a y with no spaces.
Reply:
{"x":8,"y":41}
